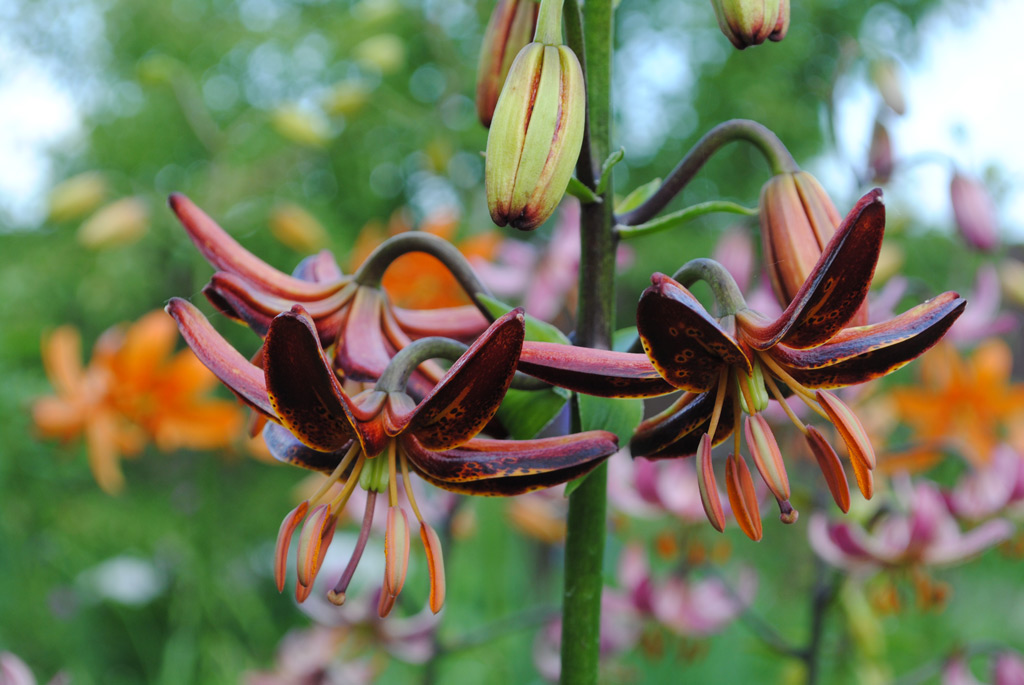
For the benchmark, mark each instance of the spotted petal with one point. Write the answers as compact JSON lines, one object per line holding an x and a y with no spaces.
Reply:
{"x":593,"y":372}
{"x":676,"y":432}
{"x":286,"y":448}
{"x":224,"y":252}
{"x":686,"y":345}
{"x":362,"y":352}
{"x":302,"y":386}
{"x":463,"y":323}
{"x":510,"y":467}
{"x":860,"y":354}
{"x":836,"y":287}
{"x":241,"y":376}
{"x":469,"y":395}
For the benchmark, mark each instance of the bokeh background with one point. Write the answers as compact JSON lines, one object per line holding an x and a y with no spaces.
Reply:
{"x":309,"y":124}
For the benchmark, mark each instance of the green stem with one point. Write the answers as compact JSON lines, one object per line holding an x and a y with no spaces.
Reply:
{"x":768,"y":143}
{"x":372,"y":270}
{"x":663,"y":223}
{"x":549,"y":23}
{"x":727,"y":294}
{"x":584,"y":547}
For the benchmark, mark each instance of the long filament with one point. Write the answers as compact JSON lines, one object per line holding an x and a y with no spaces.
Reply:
{"x":408,"y":485}
{"x":719,"y":401}
{"x":335,"y":475}
{"x":785,"y":405}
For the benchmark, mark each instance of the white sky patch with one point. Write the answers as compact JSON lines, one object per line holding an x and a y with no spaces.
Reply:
{"x":36,"y":115}
{"x":964,"y":99}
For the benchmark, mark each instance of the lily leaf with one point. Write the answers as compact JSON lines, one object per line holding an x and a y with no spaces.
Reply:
{"x":615,"y":415}
{"x":537,"y":330}
{"x":637,"y":196}
{"x":525,"y":413}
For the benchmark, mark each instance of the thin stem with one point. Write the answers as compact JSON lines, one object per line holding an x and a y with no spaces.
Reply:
{"x":683,"y":216}
{"x":372,"y":270}
{"x":584,"y":547}
{"x":727,"y":294}
{"x":826,"y":585}
{"x":585,"y":168}
{"x":549,"y":23}
{"x":401,"y":366}
{"x":767,"y":142}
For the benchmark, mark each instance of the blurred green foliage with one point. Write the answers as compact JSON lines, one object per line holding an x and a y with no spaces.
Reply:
{"x":353,"y":111}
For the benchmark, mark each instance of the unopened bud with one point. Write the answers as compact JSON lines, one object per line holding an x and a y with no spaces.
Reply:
{"x":77,"y":196}
{"x":302,"y":126}
{"x":297,"y":228}
{"x":880,"y":154}
{"x":886,"y":75}
{"x":798,"y":220}
{"x":119,"y":223}
{"x":751,"y":22}
{"x":509,"y":30}
{"x":975,"y":212}
{"x":535,"y":136}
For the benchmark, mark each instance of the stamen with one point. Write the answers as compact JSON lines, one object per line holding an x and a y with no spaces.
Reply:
{"x":337,"y":595}
{"x":284,"y":538}
{"x":408,"y":485}
{"x":767,"y":456}
{"x":793,"y":384}
{"x":435,"y":564}
{"x":341,"y":500}
{"x":784,"y":404}
{"x":740,"y":488}
{"x":709,"y":496}
{"x":335,"y":475}
{"x":392,"y":476}
{"x":723,"y":378}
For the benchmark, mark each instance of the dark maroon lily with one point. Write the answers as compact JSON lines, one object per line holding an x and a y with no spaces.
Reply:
{"x":735,"y":363}
{"x":380,"y":434}
{"x":351,"y":312}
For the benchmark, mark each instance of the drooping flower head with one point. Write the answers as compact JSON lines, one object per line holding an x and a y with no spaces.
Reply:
{"x":735,"y":363}
{"x":352,"y":312}
{"x":381,"y":433}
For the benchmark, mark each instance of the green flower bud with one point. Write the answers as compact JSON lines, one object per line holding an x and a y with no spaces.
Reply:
{"x":750,"y":22}
{"x":535,"y":136}
{"x":509,"y":30}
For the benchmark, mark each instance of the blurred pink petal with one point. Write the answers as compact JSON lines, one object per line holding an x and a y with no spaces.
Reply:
{"x":975,"y":212}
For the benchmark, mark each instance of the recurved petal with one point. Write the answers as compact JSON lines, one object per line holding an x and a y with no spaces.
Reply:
{"x":593,"y":372}
{"x":287,"y":448}
{"x":362,"y":352}
{"x":240,"y":299}
{"x":224,"y":252}
{"x":509,"y":467}
{"x":235,"y":371}
{"x":62,"y":359}
{"x":463,"y":323}
{"x":686,"y":345}
{"x":861,"y":354}
{"x":836,"y":287}
{"x":468,"y":396}
{"x":676,"y":431}
{"x":302,"y":387}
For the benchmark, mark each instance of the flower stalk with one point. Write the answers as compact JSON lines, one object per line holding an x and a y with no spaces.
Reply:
{"x":584,"y":551}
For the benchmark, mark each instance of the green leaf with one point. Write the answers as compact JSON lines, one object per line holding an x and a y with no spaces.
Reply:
{"x":613,"y":159}
{"x":581,"y":192}
{"x":618,"y":416}
{"x":525,"y":413}
{"x":624,"y":338}
{"x":571,"y":486}
{"x":536,"y":330}
{"x":637,"y":197}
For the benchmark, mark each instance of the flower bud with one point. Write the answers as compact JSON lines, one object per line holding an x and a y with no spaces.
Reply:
{"x":886,"y":75}
{"x":975,"y":213}
{"x":119,"y":223}
{"x":297,"y":228}
{"x":535,"y":136}
{"x":750,"y":22}
{"x":880,"y":154}
{"x":509,"y":30}
{"x":77,"y":196}
{"x":798,"y":220}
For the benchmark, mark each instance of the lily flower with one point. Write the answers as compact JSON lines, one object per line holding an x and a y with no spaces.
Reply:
{"x":734,"y":364}
{"x":373,"y":438}
{"x":989,"y":489}
{"x":352,"y":311}
{"x":968,"y":404}
{"x":923,"y":533}
{"x":1007,"y":668}
{"x":134,"y":390}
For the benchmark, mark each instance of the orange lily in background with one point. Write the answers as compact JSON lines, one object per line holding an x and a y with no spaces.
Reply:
{"x":967,"y":404}
{"x":132,"y":391}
